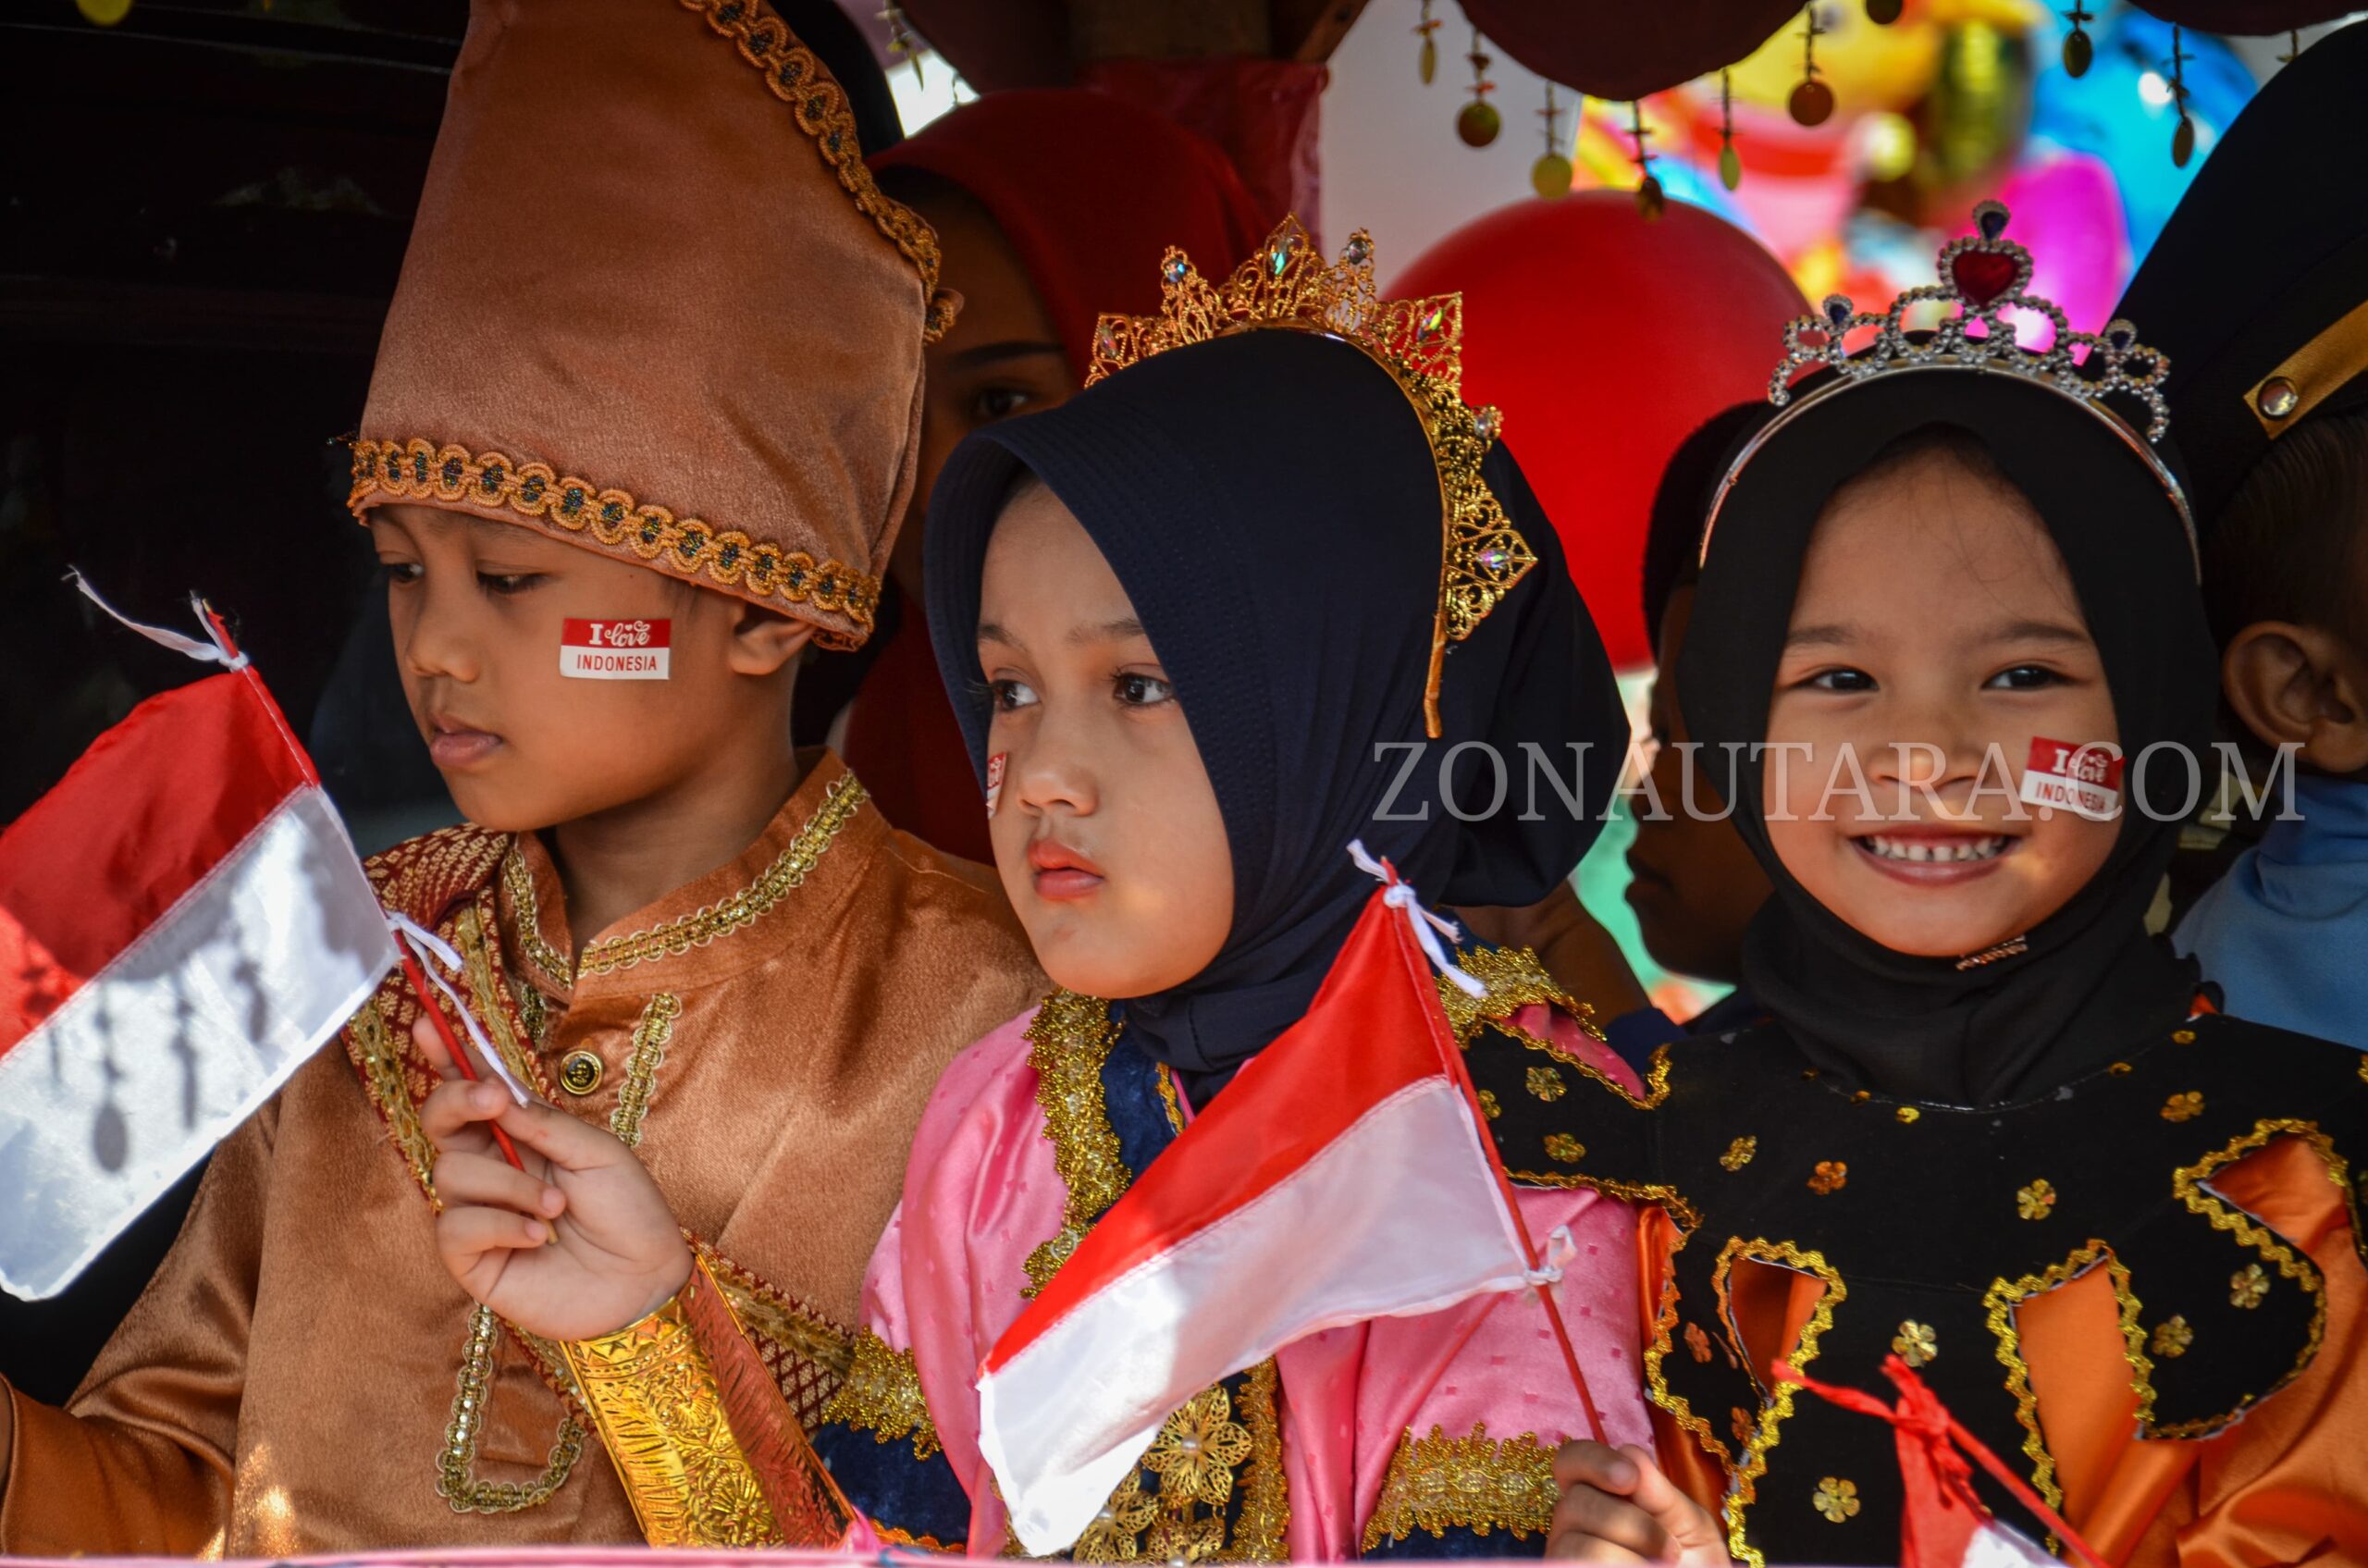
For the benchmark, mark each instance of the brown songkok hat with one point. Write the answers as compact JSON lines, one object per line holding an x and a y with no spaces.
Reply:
{"x":655,"y":306}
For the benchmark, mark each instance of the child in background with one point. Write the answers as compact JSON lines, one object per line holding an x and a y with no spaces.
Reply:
{"x":2257,"y":292}
{"x":1050,"y":206}
{"x":1988,"y":1129}
{"x":1183,"y":615}
{"x":641,"y":259}
{"x":1693,"y":882}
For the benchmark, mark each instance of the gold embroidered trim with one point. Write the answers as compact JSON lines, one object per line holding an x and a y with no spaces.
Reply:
{"x":1998,"y":1304}
{"x":1516,"y":979}
{"x":1778,"y":1403}
{"x":1260,"y":1534}
{"x":659,"y":1404}
{"x":418,"y":469}
{"x":1477,"y":1483}
{"x":1657,"y":1383}
{"x":649,"y":1040}
{"x":795,"y":75}
{"x":519,"y":884}
{"x":1068,"y":1041}
{"x":807,"y":1353}
{"x":472,"y":936}
{"x":372,"y":1048}
{"x":883,"y":1396}
{"x":2192,"y":1184}
{"x":784,"y":876}
{"x":454,"y":1481}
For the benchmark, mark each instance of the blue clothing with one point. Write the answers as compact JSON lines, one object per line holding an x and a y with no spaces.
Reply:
{"x":2284,"y":933}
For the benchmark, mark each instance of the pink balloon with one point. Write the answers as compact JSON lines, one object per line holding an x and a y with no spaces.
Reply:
{"x":2068,"y":214}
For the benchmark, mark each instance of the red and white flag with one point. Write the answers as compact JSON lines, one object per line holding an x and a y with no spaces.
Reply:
{"x":182,"y":921}
{"x":1345,"y":1169}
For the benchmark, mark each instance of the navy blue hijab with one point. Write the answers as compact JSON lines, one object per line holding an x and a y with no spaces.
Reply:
{"x":1269,"y":502}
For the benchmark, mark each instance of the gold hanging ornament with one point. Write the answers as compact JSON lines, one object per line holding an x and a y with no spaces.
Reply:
{"x":2293,"y":45}
{"x":901,"y":42}
{"x":1478,"y":122}
{"x":2183,"y":138}
{"x":1427,"y":60}
{"x":1730,"y":161}
{"x":1650,"y":199}
{"x":2079,"y":48}
{"x":1550,"y":175}
{"x":1812,"y":101}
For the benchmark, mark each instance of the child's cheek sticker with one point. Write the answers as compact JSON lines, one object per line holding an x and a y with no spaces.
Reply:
{"x":995,"y":780}
{"x":2082,"y":779}
{"x":614,"y":650}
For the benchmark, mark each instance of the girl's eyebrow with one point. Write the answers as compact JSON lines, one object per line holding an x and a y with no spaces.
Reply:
{"x":1833,"y":634}
{"x":1108,"y":631}
{"x":2035,"y":630}
{"x":991,"y":632}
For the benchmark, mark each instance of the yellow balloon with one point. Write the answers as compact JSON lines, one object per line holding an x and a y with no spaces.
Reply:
{"x":107,"y":13}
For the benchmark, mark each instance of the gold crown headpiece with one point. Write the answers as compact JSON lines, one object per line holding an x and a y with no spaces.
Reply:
{"x":1420,"y":343}
{"x":1982,"y":275}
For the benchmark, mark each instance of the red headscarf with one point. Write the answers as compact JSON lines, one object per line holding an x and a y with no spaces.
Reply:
{"x":1091,"y":191}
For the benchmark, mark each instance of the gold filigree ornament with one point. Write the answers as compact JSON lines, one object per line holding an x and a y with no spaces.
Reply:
{"x":1836,"y":1498}
{"x":1288,"y":285}
{"x":1916,"y":1343}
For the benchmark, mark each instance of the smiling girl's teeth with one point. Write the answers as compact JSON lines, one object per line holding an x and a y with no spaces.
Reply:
{"x":1925,"y":849}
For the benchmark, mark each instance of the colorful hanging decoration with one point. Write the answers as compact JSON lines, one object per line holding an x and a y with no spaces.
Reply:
{"x":1550,"y":175}
{"x":1427,"y":60}
{"x":1650,"y":199}
{"x":1730,"y":161}
{"x":901,"y":42}
{"x":1812,"y":101}
{"x":2183,"y":138}
{"x":2079,"y":48}
{"x":1478,"y":122}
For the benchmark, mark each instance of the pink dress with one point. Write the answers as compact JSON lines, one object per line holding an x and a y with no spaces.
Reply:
{"x":1426,"y":1435}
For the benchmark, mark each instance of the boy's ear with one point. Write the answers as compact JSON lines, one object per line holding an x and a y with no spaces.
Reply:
{"x":2303,"y":686}
{"x":763,"y":642}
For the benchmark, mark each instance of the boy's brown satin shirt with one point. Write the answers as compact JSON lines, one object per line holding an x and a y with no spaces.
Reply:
{"x":289,"y":1382}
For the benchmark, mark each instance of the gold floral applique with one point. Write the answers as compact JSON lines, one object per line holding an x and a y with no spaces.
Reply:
{"x":1836,"y":1498}
{"x":2183,"y":1108}
{"x":1916,"y":1343}
{"x":2036,"y":1201}
{"x":1561,"y":1146}
{"x":2172,"y":1337}
{"x":1198,"y":1448}
{"x":1830,"y":1175}
{"x":1697,"y":1343}
{"x":1547,"y":1084}
{"x":1739,"y":1153}
{"x":1489,"y":1106}
{"x":2249,"y":1286}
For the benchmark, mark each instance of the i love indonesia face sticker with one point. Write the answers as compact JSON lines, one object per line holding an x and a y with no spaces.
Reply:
{"x":2083,"y":778}
{"x":995,"y":780}
{"x":615,"y":650}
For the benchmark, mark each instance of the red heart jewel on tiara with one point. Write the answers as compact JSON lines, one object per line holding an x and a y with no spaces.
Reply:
{"x":1980,"y":276}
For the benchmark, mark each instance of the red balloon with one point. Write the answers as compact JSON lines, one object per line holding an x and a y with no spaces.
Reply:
{"x":1607,"y":339}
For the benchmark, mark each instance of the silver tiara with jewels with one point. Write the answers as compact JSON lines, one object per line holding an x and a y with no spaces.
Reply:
{"x":1982,"y":275}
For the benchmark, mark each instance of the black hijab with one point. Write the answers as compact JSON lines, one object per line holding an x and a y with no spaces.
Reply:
{"x":1269,"y":502}
{"x":2090,"y":982}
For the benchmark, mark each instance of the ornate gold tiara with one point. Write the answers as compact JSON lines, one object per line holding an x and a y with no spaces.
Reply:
{"x":1980,"y":275}
{"x":1420,"y":343}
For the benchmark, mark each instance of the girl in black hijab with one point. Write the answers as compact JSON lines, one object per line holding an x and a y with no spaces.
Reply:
{"x":1977,"y":1132}
{"x":1264,"y":587}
